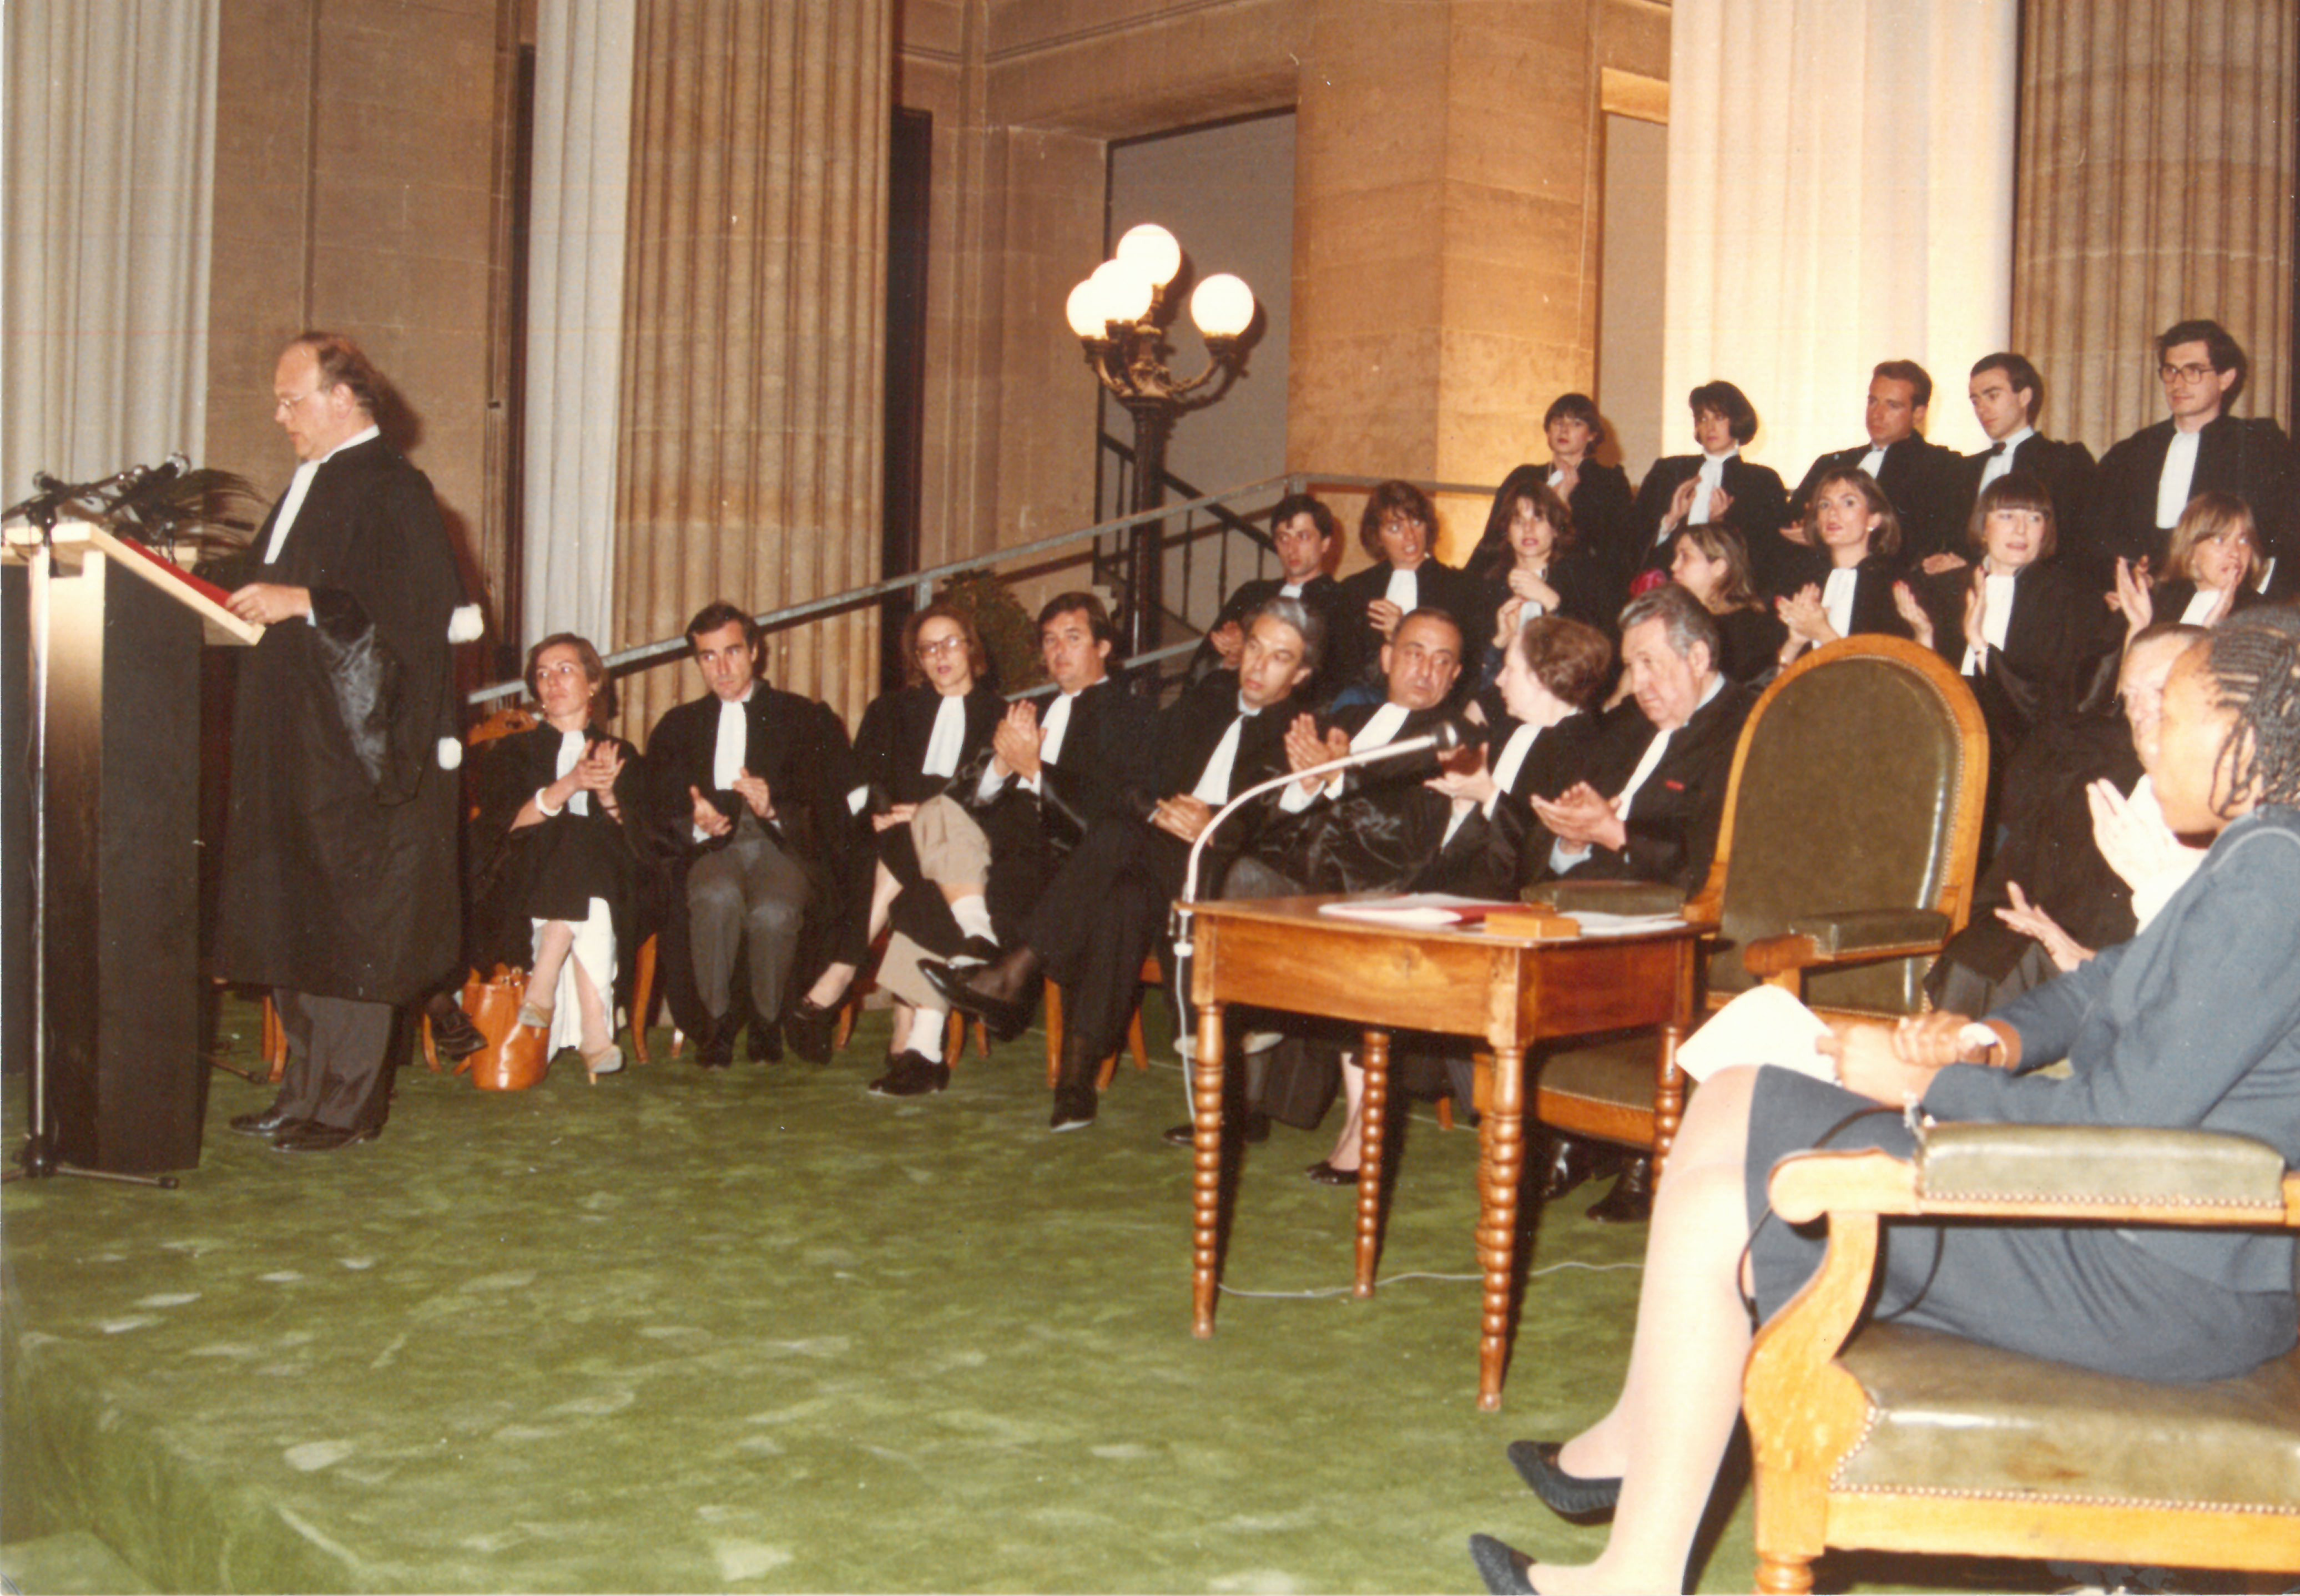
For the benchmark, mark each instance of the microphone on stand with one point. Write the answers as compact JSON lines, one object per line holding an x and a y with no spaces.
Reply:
{"x":1443,"y":738}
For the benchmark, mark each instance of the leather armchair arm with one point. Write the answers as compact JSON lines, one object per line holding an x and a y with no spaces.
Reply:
{"x":2114,"y":1174}
{"x":1853,"y":936}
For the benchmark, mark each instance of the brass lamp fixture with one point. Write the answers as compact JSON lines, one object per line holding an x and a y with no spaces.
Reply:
{"x":1117,"y":315}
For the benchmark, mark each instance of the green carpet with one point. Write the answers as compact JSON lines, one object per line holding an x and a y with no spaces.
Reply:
{"x":755,"y":1330}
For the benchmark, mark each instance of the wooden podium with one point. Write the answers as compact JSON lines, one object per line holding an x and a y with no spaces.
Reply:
{"x":113,"y":961}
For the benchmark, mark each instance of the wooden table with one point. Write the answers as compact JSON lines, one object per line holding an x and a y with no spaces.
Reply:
{"x":1507,"y":993}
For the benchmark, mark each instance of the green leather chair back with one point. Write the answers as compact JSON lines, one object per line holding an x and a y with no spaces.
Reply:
{"x":1852,"y":773}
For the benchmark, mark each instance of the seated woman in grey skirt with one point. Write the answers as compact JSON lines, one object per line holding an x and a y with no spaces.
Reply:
{"x":2193,"y":1024}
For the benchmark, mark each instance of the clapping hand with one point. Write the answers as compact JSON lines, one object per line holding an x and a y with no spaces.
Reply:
{"x":753,"y":791}
{"x":1920,"y":623}
{"x":1582,"y":817}
{"x":1805,"y":615}
{"x":708,"y":820}
{"x":2132,"y":837}
{"x":2131,"y":597}
{"x":1014,"y":740}
{"x":1383,"y":617}
{"x":2065,"y":951}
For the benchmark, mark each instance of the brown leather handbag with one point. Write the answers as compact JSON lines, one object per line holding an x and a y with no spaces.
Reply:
{"x":513,"y":1058}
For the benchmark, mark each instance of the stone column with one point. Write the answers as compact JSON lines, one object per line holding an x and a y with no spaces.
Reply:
{"x":1445,"y":250}
{"x":2155,"y":183}
{"x":749,"y":465}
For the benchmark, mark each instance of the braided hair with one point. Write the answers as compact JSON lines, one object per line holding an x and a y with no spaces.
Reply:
{"x":2253,"y":662}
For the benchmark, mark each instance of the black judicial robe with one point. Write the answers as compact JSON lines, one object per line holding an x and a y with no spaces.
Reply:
{"x":1321,"y":594}
{"x":799,"y":748}
{"x":1378,"y":834}
{"x":1874,"y":607}
{"x":889,"y":748}
{"x":1357,"y":646}
{"x":1674,"y":820}
{"x":340,"y":861}
{"x":1604,"y":531}
{"x":1756,"y":514}
{"x":2065,"y":471}
{"x":2247,"y":456}
{"x":554,"y":869}
{"x":1923,"y":481}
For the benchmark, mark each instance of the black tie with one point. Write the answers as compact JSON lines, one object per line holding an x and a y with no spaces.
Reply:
{"x":1996,"y":448}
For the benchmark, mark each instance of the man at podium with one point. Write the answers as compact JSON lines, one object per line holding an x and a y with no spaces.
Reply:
{"x":339,"y":885}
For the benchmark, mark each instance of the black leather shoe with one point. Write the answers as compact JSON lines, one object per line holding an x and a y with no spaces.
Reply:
{"x":312,"y":1136}
{"x":714,"y":1049}
{"x":1631,"y":1202}
{"x":1254,"y":1130}
{"x":766,"y":1042}
{"x":1504,"y":1568}
{"x":808,"y":1028}
{"x":910,"y":1075}
{"x":1074,"y":1108}
{"x":975,"y":952}
{"x":1572,"y":1163}
{"x":452,"y":1034}
{"x":1324,"y":1173}
{"x":270,"y":1122}
{"x":1003,"y":1018}
{"x":1567,"y":1495}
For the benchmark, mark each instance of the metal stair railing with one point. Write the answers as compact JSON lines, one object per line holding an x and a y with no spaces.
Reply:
{"x":1221,"y":519}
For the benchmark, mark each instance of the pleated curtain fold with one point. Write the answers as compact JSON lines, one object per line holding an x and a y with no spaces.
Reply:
{"x":2157,"y":175}
{"x":750,"y":437}
{"x":1840,"y":192}
{"x":109,"y":137}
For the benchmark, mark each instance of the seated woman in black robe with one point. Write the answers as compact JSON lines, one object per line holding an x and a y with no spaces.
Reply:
{"x":1711,"y":564}
{"x":2213,"y":568}
{"x":1536,"y":569}
{"x":1842,"y":582}
{"x":913,"y":742}
{"x":2194,"y":1024}
{"x":556,"y":892}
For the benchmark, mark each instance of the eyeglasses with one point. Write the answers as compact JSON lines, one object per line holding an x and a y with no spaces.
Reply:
{"x":929,"y":650}
{"x":2186,"y":373}
{"x":279,"y":404}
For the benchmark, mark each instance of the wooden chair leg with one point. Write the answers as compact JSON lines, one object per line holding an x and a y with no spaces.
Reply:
{"x":431,"y":1046}
{"x":954,"y":1041}
{"x":1135,"y":1045}
{"x":1446,"y":1113}
{"x":275,"y":1041}
{"x":1054,"y":1035}
{"x":643,"y":997}
{"x":981,"y":1040}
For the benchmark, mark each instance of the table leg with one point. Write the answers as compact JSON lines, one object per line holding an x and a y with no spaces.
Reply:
{"x":1502,"y":1163}
{"x":1207,"y":1154}
{"x":1373,"y":1120}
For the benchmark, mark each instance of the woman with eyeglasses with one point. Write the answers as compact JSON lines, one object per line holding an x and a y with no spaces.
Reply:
{"x":912,"y":744}
{"x":556,"y":893}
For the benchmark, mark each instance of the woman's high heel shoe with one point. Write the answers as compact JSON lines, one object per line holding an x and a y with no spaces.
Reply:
{"x":530,"y":1015}
{"x":607,"y":1061}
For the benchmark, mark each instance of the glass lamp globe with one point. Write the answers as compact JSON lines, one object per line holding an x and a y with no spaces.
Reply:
{"x":1083,"y":310}
{"x":1125,"y":289}
{"x":1222,"y":306}
{"x":1153,"y":248}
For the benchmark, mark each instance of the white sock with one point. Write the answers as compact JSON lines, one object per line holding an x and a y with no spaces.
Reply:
{"x":973,"y":917}
{"x":926,"y":1034}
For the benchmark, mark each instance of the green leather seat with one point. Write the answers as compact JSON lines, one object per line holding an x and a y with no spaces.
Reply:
{"x":1853,"y":819}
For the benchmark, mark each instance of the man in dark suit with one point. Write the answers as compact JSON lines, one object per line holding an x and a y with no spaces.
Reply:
{"x":2007,"y":394}
{"x":1105,"y":909}
{"x":1305,"y":535}
{"x":747,"y":818}
{"x":1665,"y":756}
{"x":2146,"y":480}
{"x":339,"y":886}
{"x":1666,"y":759}
{"x":1924,"y":481}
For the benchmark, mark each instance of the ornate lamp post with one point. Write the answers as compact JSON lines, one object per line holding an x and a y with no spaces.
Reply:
{"x":1117,"y":315}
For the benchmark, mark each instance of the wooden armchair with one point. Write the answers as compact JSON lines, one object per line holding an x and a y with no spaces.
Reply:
{"x":1845,"y":862}
{"x":1912,"y":1441}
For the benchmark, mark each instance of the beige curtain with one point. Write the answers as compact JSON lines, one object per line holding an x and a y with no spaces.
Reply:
{"x":749,"y":458}
{"x":2156,"y":177}
{"x":1840,"y":192}
{"x":109,"y":136}
{"x":576,"y":257}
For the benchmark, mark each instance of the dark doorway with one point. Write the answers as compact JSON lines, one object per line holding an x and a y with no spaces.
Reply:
{"x":909,"y":196}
